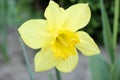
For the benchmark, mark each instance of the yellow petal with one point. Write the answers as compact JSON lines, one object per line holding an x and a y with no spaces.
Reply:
{"x":69,"y":64}
{"x":44,"y":60}
{"x":78,"y":16}
{"x":87,"y":45}
{"x":54,"y":15}
{"x":34,"y":34}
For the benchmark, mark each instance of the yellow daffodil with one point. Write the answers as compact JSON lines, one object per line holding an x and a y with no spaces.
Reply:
{"x":58,"y":38}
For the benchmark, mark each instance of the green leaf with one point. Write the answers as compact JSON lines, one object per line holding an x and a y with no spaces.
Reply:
{"x":107,"y":35}
{"x":116,"y":21}
{"x":100,"y":69}
{"x":116,"y":70}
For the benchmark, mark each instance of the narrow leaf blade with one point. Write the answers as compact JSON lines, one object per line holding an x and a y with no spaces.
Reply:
{"x":107,"y":35}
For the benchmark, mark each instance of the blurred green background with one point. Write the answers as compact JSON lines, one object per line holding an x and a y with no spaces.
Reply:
{"x":14,"y":12}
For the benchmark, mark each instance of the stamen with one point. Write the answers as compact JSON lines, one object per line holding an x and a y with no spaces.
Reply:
{"x":61,"y":40}
{"x":64,"y":44}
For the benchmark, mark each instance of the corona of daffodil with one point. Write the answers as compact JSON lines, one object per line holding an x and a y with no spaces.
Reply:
{"x":58,"y":37}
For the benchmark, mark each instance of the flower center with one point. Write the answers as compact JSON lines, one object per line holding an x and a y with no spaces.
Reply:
{"x":64,"y":44}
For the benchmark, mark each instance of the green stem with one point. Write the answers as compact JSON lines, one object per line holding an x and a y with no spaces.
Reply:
{"x":115,"y":26}
{"x":58,"y":76}
{"x":50,"y":77}
{"x":32,"y":77}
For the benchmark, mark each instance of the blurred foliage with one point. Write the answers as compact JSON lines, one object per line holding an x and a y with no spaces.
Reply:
{"x":35,"y":9}
{"x":15,"y":12}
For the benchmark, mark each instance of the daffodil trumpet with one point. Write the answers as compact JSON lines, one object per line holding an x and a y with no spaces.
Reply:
{"x":58,"y":37}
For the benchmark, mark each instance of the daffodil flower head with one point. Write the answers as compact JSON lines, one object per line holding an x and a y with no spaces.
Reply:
{"x":58,"y":37}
